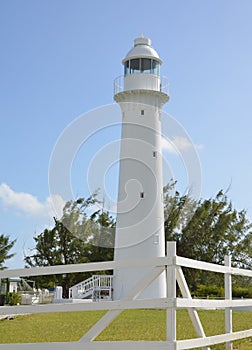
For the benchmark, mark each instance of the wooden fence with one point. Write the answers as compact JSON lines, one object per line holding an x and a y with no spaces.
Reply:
{"x":173,"y":265}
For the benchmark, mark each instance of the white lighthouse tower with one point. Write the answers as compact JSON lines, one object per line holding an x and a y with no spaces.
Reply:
{"x":141,"y":92}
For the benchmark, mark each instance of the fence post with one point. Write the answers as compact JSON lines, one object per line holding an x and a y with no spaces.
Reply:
{"x":228,"y":296}
{"x":171,"y":294}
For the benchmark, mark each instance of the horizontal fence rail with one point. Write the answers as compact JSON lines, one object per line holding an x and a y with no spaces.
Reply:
{"x":86,"y":267}
{"x":111,"y":265}
{"x":173,"y":264}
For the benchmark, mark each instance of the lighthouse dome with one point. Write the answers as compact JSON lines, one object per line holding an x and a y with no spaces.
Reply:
{"x":142,"y":49}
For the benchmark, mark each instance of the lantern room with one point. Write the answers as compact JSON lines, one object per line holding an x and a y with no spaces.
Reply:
{"x":141,"y":70}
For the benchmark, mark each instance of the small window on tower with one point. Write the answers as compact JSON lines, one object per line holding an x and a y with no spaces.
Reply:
{"x":142,"y":111}
{"x":154,"y":153}
{"x":141,"y":194}
{"x":156,"y":239}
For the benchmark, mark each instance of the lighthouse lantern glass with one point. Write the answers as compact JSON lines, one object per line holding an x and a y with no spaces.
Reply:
{"x":155,"y":67}
{"x":135,"y":65}
{"x":146,"y":65}
{"x":142,"y":65}
{"x":127,"y":68}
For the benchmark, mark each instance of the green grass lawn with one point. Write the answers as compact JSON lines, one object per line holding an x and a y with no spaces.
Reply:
{"x":130,"y":325}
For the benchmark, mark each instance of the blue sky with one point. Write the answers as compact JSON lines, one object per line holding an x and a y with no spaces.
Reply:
{"x":59,"y":59}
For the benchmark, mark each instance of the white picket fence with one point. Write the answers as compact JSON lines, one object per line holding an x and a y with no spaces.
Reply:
{"x":173,"y":264}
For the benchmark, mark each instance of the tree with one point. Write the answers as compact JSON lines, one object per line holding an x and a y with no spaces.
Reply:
{"x":75,"y":238}
{"x":5,"y":246}
{"x":207,"y":230}
{"x":204,"y":230}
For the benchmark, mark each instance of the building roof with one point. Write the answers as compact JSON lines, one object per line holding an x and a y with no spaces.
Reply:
{"x":142,"y":49}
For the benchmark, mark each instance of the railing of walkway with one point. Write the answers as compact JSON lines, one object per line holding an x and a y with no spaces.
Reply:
{"x":90,"y":285}
{"x":173,"y":264}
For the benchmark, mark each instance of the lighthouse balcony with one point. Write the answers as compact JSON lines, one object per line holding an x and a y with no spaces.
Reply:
{"x":141,"y":81}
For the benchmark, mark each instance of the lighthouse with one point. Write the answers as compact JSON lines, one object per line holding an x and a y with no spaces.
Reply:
{"x":141,"y":93}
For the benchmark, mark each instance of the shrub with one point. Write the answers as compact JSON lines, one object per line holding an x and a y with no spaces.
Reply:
{"x":210,"y":291}
{"x":14,"y":298}
{"x":240,"y":292}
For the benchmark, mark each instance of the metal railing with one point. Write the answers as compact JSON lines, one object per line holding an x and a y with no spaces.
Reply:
{"x":29,"y":297}
{"x":87,"y":287}
{"x":164,"y":86}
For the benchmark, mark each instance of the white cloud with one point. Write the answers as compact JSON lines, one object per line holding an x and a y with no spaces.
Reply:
{"x":177,"y":144}
{"x":29,"y":204}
